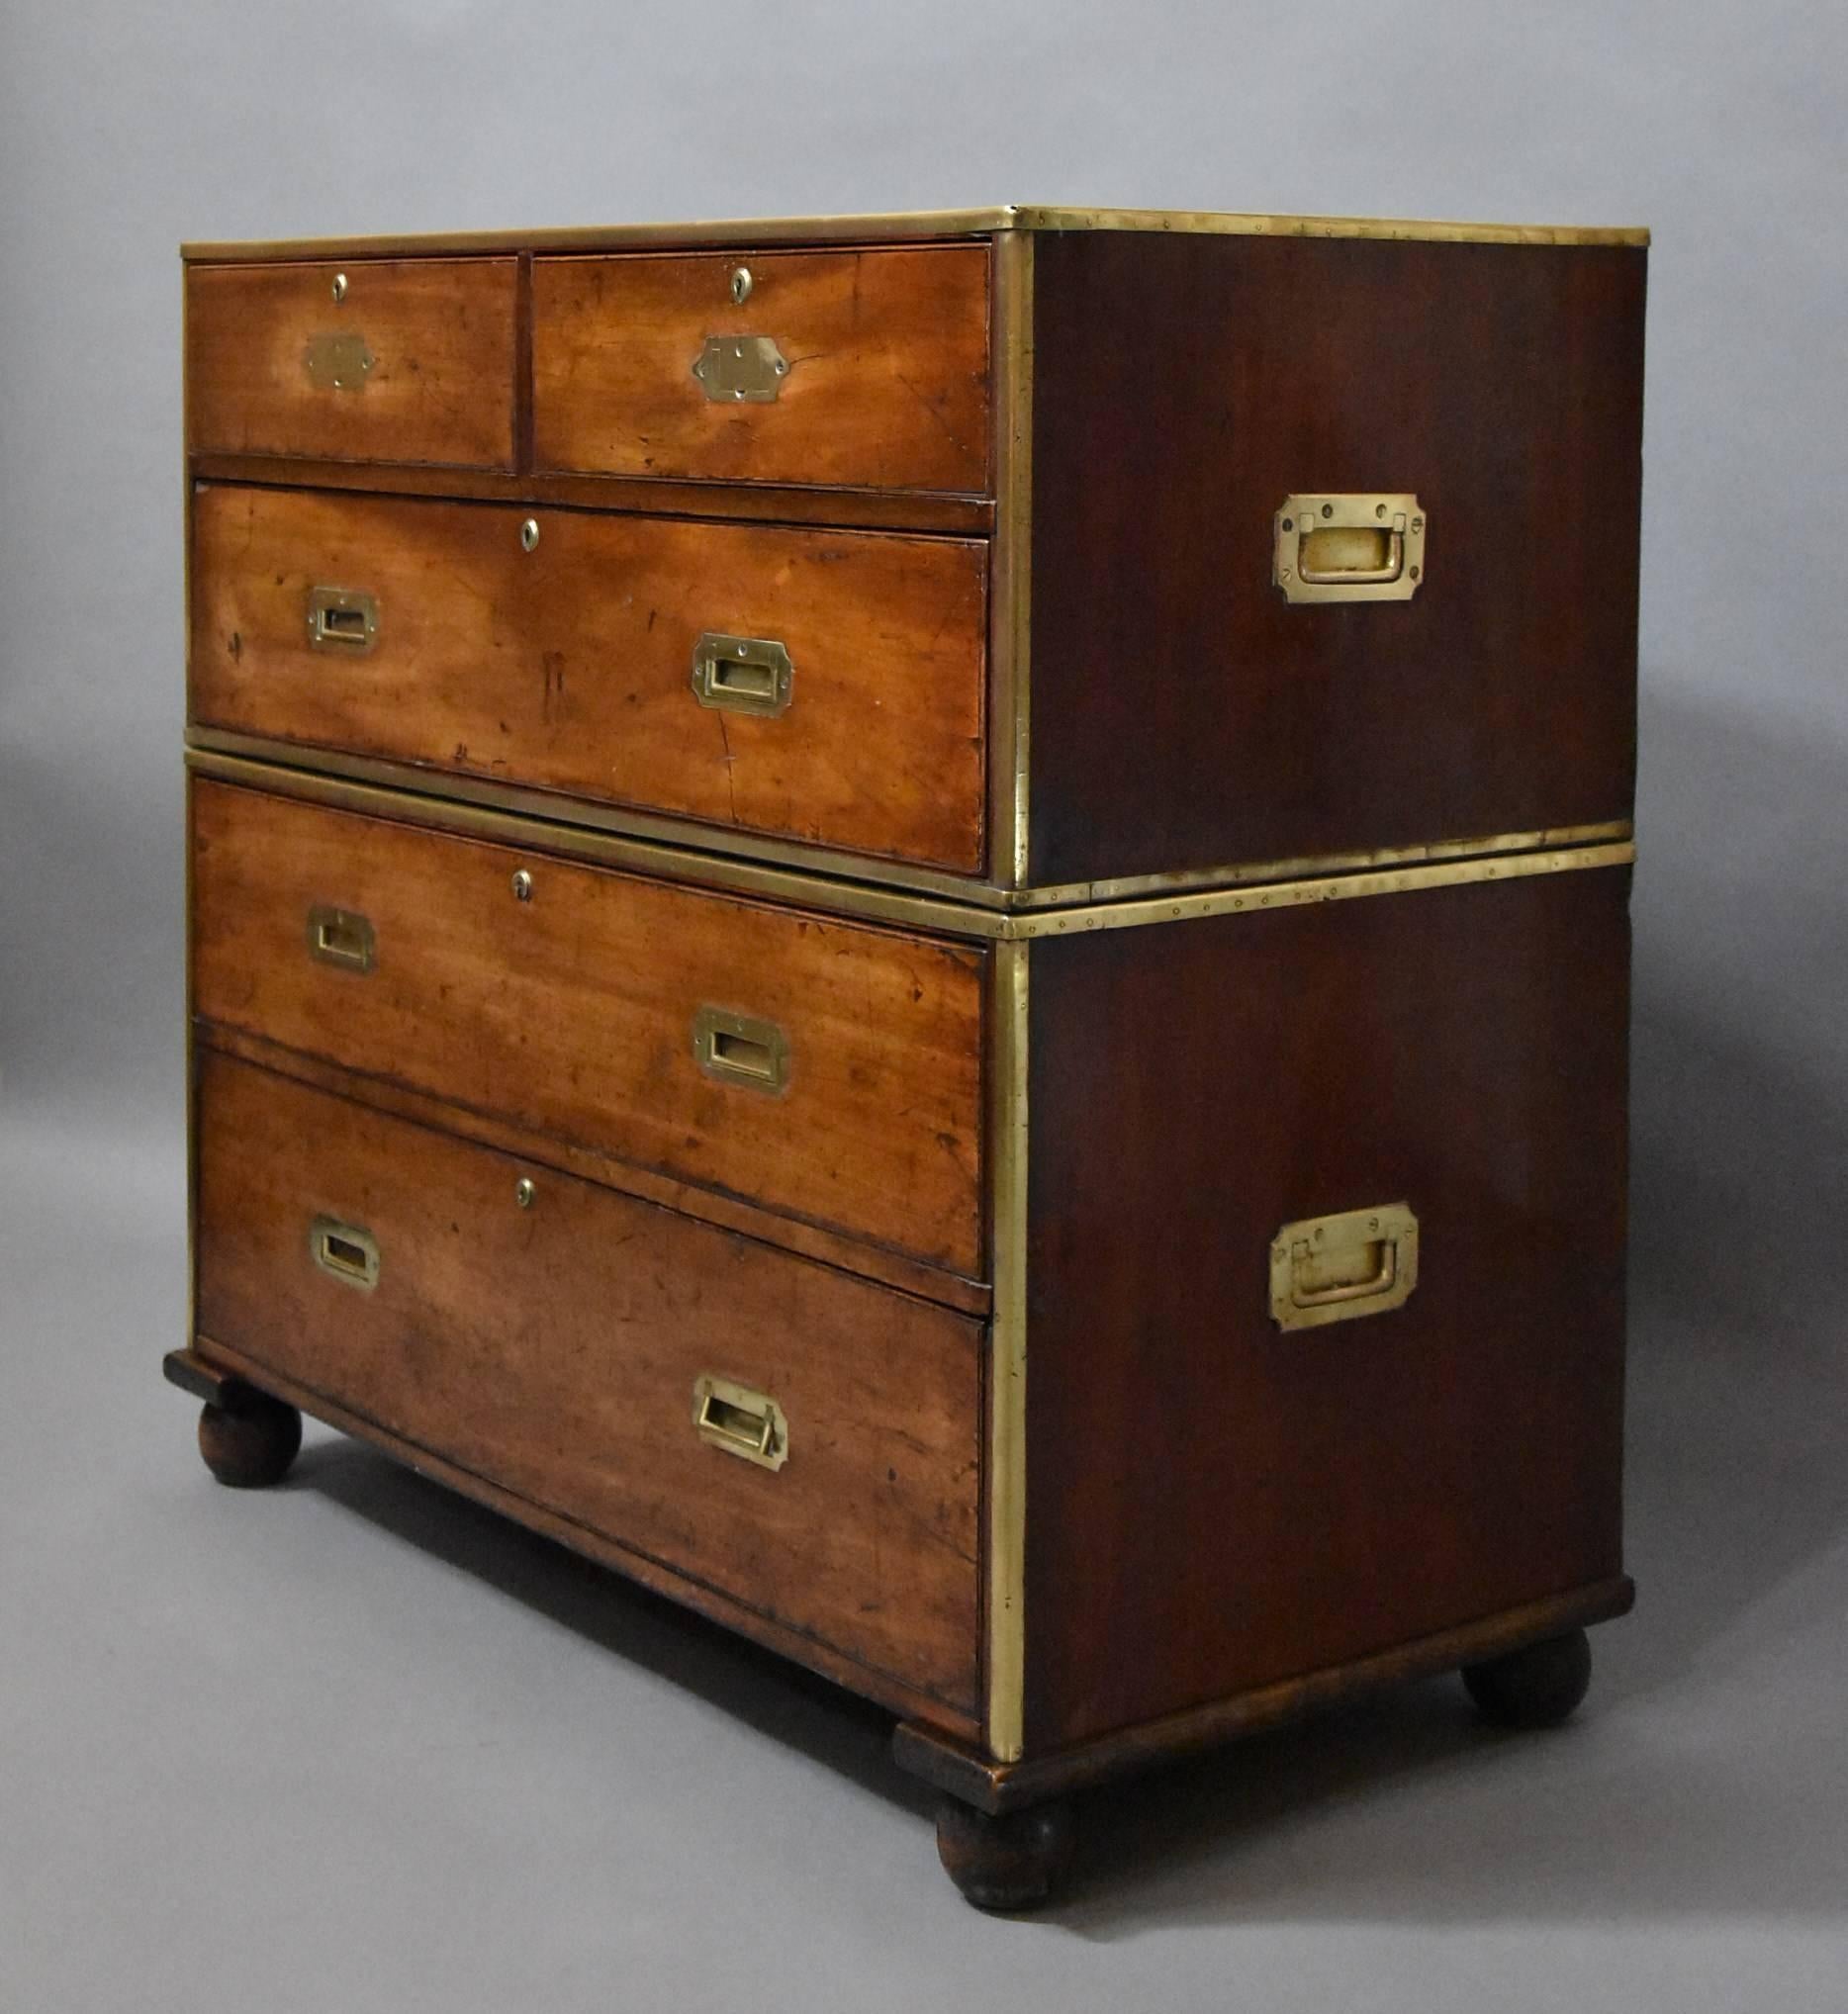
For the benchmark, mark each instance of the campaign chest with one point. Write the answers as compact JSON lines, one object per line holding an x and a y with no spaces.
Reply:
{"x":919,"y":926}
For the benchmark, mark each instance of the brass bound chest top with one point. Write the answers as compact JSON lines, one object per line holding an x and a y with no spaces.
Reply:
{"x":919,"y":926}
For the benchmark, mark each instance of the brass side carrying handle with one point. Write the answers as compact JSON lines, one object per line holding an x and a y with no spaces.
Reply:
{"x":1349,"y":548}
{"x":347,"y":1251}
{"x":738,"y":1420}
{"x":739,"y":1049}
{"x":743,"y":674}
{"x":343,"y":619}
{"x":341,"y":937}
{"x":1336,"y":1268}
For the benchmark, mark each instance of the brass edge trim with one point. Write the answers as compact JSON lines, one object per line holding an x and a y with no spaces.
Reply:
{"x":1011,"y":586}
{"x":497,"y":813}
{"x":720,"y":874}
{"x":1072,"y":894}
{"x":702,"y":843}
{"x":717,"y":854}
{"x":1257,"y":901}
{"x":911,"y":224}
{"x":1006,"y":1471}
{"x":1253,"y":224}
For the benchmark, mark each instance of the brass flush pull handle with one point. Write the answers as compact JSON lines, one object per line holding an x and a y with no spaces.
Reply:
{"x":345,"y":1250}
{"x":1349,"y":548}
{"x":740,"y":1050}
{"x":740,"y":1422}
{"x":744,"y":674}
{"x":340,"y":937}
{"x":341,"y":620}
{"x":339,"y":363}
{"x":748,"y":368}
{"x":1336,"y":1268}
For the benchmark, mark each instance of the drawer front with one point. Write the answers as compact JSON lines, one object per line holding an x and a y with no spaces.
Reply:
{"x":554,"y":1349}
{"x":868,"y":369}
{"x":827,"y":1070}
{"x":429,"y":633}
{"x":413,"y":362}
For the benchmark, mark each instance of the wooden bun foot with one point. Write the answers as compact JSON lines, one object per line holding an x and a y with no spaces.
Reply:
{"x":1012,"y":1862}
{"x":1536,"y":1687}
{"x":249,"y":1442}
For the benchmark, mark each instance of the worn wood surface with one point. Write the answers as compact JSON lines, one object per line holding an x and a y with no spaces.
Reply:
{"x":888,"y":367}
{"x":1216,"y":1504}
{"x":568,"y":666}
{"x":958,"y":1768}
{"x":711,"y":1206}
{"x":441,"y":332}
{"x":554,"y":1349}
{"x":573,"y":1013}
{"x":1184,"y":714}
{"x":756,"y":502}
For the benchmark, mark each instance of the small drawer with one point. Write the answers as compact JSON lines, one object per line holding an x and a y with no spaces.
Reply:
{"x":804,"y":1442}
{"x":400,"y":360}
{"x":815,"y":685}
{"x":866,"y":369}
{"x":827,"y":1070}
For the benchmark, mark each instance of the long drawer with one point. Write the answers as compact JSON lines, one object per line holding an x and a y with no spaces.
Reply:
{"x":831,"y":1071}
{"x":804,"y":1441}
{"x":409,"y":360}
{"x":818,"y":686}
{"x":866,"y":368}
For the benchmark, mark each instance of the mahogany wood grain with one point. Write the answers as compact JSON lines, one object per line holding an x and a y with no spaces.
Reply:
{"x":1215,"y":1505}
{"x":711,"y":1206}
{"x":569,"y":666}
{"x":1184,"y":714}
{"x":553,"y":1349}
{"x":442,"y":333}
{"x":888,"y":384}
{"x":961,"y":1770}
{"x":759,"y":503}
{"x":572,"y":1013}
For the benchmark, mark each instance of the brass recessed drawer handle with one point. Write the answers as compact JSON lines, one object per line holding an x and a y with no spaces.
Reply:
{"x":740,"y":1422}
{"x":1349,"y":548}
{"x":1334,"y":1268}
{"x":339,"y":619}
{"x":347,"y":1251}
{"x":739,"y":1049}
{"x":341,"y":937}
{"x":340,"y":362}
{"x":744,"y":674}
{"x":741,"y":368}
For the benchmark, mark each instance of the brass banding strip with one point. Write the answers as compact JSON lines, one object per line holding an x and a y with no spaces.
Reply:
{"x":911,"y":225}
{"x":1006,"y":1469}
{"x":479,"y":814}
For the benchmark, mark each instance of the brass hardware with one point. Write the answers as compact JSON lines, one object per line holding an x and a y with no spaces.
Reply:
{"x":339,"y":286}
{"x":741,"y":284}
{"x":344,"y":1250}
{"x":526,"y":1192}
{"x":340,"y":937}
{"x":528,"y":534}
{"x":743,"y":674}
{"x":339,"y":619}
{"x":1011,"y":578}
{"x":521,"y":884}
{"x":339,"y":363}
{"x":1005,"y":1595}
{"x":1007,"y":219}
{"x":739,"y":1050}
{"x":1349,"y":548}
{"x":1336,"y":1268}
{"x":741,"y":367}
{"x":741,"y":1421}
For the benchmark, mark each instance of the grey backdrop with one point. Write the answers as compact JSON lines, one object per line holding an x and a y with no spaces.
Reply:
{"x":353,"y":1746}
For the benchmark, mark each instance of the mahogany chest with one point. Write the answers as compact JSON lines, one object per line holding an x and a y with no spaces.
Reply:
{"x":919,"y":926}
